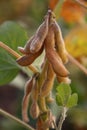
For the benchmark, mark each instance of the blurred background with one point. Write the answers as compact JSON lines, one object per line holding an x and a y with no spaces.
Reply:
{"x":73,"y":22}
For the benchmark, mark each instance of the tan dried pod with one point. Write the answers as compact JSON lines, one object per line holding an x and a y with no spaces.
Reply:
{"x":25,"y":101}
{"x":40,"y":35}
{"x":28,"y":59}
{"x":48,"y":83}
{"x":42,"y":104}
{"x":53,"y":56}
{"x":63,"y":79}
{"x":48,"y":123}
{"x":59,"y":42}
{"x":44,"y":121}
{"x":35,"y":92}
{"x":43,"y":74}
{"x":39,"y":124}
{"x":35,"y":43}
{"x":26,"y":49}
{"x":34,"y":110}
{"x":49,"y":98}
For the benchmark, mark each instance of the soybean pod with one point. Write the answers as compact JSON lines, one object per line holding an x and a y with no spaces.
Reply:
{"x":48,"y":83}
{"x":53,"y":56}
{"x":59,"y":42}
{"x":26,"y":60}
{"x":25,"y":102}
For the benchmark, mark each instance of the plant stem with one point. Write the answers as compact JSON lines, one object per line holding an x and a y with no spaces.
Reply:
{"x":74,"y":61}
{"x":15,"y":54}
{"x":81,"y":4}
{"x":62,"y":118}
{"x":55,"y":126}
{"x":11,"y":51}
{"x":6,"y":114}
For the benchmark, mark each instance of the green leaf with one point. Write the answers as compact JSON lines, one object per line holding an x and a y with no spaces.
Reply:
{"x":64,"y":92}
{"x":72,"y":100}
{"x":12,"y":35}
{"x":8,"y":68}
{"x":59,"y":100}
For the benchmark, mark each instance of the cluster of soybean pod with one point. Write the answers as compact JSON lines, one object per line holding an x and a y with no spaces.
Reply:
{"x":38,"y":88}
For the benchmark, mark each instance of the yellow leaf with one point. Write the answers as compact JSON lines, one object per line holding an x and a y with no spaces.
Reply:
{"x":76,"y":41}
